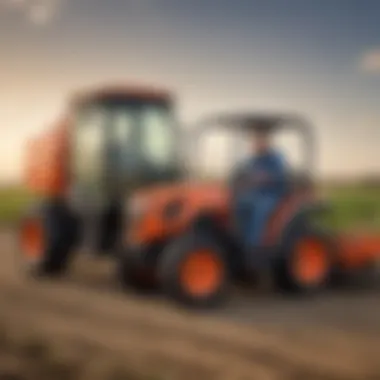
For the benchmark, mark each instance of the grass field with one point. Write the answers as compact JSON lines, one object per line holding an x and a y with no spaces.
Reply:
{"x":352,"y":206}
{"x":13,"y":201}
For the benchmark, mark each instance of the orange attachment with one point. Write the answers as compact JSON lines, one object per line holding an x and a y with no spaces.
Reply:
{"x":32,"y":239}
{"x":46,"y":163}
{"x":358,"y":250}
{"x":311,"y":262}
{"x":202,"y":273}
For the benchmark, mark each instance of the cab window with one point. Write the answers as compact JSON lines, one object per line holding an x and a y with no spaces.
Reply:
{"x":158,"y":140}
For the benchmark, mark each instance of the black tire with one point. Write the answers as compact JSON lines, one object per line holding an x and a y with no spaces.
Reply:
{"x":131,"y":276}
{"x":61,"y":233}
{"x":173,"y":258}
{"x":284,"y":276}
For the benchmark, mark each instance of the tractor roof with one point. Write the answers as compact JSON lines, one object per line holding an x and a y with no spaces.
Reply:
{"x":118,"y":92}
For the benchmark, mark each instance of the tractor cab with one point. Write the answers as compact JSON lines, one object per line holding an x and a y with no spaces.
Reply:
{"x":121,"y":139}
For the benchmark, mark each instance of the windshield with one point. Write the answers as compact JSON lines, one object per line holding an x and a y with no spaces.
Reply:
{"x":113,"y":142}
{"x":159,"y":137}
{"x":88,"y":145}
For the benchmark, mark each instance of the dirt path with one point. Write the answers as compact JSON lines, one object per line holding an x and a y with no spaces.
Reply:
{"x":334,"y":337}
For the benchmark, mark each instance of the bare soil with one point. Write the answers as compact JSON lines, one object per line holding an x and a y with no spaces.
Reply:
{"x":83,"y":326}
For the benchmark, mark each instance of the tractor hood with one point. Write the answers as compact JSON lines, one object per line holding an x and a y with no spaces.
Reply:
{"x":208,"y":195}
{"x":161,"y":211}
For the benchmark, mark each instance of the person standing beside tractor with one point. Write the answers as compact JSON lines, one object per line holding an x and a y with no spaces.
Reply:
{"x":263,"y":178}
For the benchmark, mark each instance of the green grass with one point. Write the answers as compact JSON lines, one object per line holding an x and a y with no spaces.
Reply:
{"x":351,"y":206}
{"x":13,"y":202}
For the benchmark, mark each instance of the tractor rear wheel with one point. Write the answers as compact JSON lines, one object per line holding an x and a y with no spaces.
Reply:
{"x":306,"y":264}
{"x":193,"y":271}
{"x":47,"y":235}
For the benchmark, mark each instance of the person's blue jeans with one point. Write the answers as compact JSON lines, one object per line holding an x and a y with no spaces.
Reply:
{"x":252,"y":213}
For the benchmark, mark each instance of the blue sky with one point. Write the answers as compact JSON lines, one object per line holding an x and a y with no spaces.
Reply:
{"x":320,"y":58}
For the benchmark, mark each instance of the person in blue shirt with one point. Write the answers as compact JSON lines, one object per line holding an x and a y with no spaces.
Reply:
{"x":263,"y":184}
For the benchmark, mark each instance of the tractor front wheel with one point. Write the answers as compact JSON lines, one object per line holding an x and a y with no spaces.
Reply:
{"x":193,"y":271}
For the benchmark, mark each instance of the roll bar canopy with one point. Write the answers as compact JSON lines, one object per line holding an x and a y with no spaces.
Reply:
{"x":252,"y":122}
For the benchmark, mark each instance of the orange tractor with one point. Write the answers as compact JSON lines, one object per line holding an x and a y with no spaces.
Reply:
{"x":181,"y":236}
{"x":110,"y":142}
{"x":110,"y":176}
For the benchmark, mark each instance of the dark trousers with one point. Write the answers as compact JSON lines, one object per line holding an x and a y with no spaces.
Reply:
{"x":252,"y":212}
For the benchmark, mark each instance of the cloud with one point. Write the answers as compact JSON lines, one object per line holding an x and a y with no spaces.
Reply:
{"x":42,"y":12}
{"x":38,"y":12}
{"x":370,"y":62}
{"x":14,"y":3}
